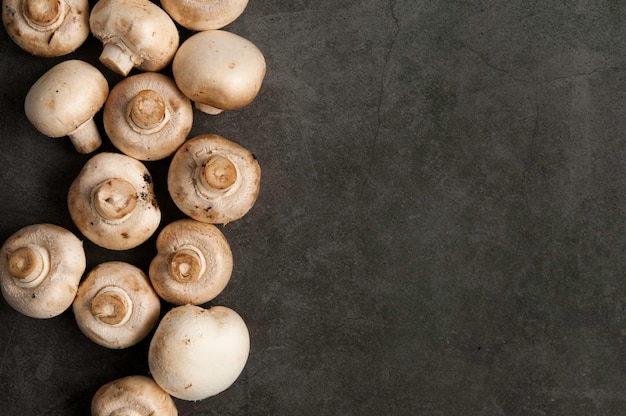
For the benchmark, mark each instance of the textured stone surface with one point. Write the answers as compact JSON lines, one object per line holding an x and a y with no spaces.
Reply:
{"x":440,"y":229}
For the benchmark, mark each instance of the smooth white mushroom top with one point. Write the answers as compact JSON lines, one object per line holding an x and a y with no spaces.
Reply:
{"x":40,"y":268}
{"x":132,"y":396}
{"x":204,"y":14}
{"x":47,"y":28}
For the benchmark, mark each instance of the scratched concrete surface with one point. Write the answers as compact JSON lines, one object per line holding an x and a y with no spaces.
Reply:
{"x":441,"y":226}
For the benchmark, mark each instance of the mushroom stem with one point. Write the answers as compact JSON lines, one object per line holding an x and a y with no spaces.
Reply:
{"x":125,"y":411}
{"x":112,"y":306}
{"x":187,"y":265}
{"x":43,"y":14}
{"x":114,"y":199}
{"x":219,"y":173}
{"x":208,"y":109}
{"x":148,"y":112}
{"x":29,"y":265}
{"x":116,"y":58}
{"x":86,"y":137}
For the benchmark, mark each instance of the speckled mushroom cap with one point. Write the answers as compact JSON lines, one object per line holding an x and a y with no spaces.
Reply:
{"x":214,"y":180}
{"x":112,"y":201}
{"x":218,"y":70}
{"x":116,"y":306}
{"x":193,"y":262}
{"x":47,"y":28}
{"x":132,"y":395}
{"x":40,"y":268}
{"x":204,"y":14}
{"x":135,"y":33}
{"x":147,"y":117}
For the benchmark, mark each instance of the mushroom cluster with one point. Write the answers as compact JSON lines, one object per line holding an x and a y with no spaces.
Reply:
{"x":196,"y":351}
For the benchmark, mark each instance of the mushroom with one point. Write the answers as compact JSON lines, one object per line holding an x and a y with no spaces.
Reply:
{"x":202,"y":14}
{"x":147,"y":117}
{"x":63,"y":101}
{"x":135,"y":33}
{"x":40,"y":268}
{"x":132,"y":396}
{"x":112,"y":202}
{"x":197,"y":353}
{"x":218,"y":70}
{"x":47,"y":28}
{"x":193,"y":262}
{"x":116,"y":306}
{"x":214,"y":180}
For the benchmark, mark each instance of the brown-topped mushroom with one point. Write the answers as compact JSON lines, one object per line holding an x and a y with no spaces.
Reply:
{"x":47,"y":28}
{"x":204,"y":14}
{"x":214,"y":180}
{"x":116,"y":306}
{"x":63,"y":101}
{"x":112,"y":201}
{"x":132,"y":396}
{"x":193,"y":262}
{"x":218,"y":70}
{"x":135,"y":33}
{"x":40,"y":268}
{"x":147,"y":117}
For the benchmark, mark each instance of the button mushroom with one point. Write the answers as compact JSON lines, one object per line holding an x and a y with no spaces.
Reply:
{"x":147,"y":117}
{"x":214,"y":180}
{"x":116,"y":306}
{"x":112,"y":202}
{"x":218,"y":70}
{"x":63,"y":101}
{"x":197,"y":353}
{"x":193,"y":262}
{"x":47,"y":28}
{"x":132,"y":396}
{"x":202,"y":14}
{"x":135,"y":33}
{"x":40,"y":268}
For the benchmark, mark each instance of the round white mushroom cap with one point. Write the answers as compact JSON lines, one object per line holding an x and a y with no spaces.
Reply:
{"x":197,"y":353}
{"x":40,"y":268}
{"x":204,"y":14}
{"x":132,"y":396}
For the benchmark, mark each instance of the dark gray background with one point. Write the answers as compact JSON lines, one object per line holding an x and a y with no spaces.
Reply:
{"x":441,"y":226}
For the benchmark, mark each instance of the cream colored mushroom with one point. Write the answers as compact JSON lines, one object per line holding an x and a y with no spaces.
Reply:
{"x":204,"y":14}
{"x":135,"y":33}
{"x":132,"y":396}
{"x":197,"y":353}
{"x":63,"y":101}
{"x":218,"y":70}
{"x":40,"y":268}
{"x":116,"y":306}
{"x":47,"y":28}
{"x":193,"y":262}
{"x":147,"y":117}
{"x":112,"y":202}
{"x":214,"y":180}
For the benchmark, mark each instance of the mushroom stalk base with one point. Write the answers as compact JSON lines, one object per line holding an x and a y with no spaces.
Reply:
{"x":86,"y":138}
{"x":208,"y":109}
{"x":116,"y":59}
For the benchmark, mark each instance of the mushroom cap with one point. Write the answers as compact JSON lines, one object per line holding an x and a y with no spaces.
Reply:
{"x":127,"y":306}
{"x":206,"y":204}
{"x":204,"y":14}
{"x":53,"y":292}
{"x":219,"y":69}
{"x":112,"y":201}
{"x":147,"y":143}
{"x":132,"y":394}
{"x":197,"y":353}
{"x":140,"y":28}
{"x":65,"y":97}
{"x":64,"y":34}
{"x":193,"y":262}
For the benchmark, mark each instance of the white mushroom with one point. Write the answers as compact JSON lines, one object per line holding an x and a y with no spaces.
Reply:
{"x":214,"y":180}
{"x":197,"y":353}
{"x":147,"y":117}
{"x":112,"y":202}
{"x":218,"y":70}
{"x":193,"y":262}
{"x":63,"y":101}
{"x":116,"y":306}
{"x":135,"y":33}
{"x":204,"y":14}
{"x":47,"y":28}
{"x":40,"y":268}
{"x":132,"y":396}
